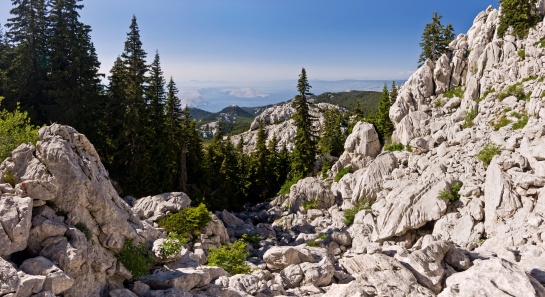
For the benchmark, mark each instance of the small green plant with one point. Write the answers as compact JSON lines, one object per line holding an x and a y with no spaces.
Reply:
{"x":521,"y":123}
{"x":540,"y":43}
{"x":409,"y":148}
{"x":172,"y":245}
{"x":452,"y":193}
{"x":486,"y":95}
{"x":342,"y":173}
{"x":438,"y":103}
{"x":85,"y":230}
{"x":286,"y":187}
{"x":310,"y":204}
{"x":186,"y":222}
{"x":394,"y":146}
{"x":522,"y":53}
{"x":488,"y":152}
{"x":136,"y":258}
{"x":469,"y":117}
{"x":313,"y":243}
{"x":457,"y":92}
{"x":513,"y":90}
{"x":326,"y":165}
{"x":350,"y":214}
{"x":10,"y":178}
{"x":251,"y":238}
{"x":501,"y":122}
{"x":322,"y":236}
{"x":231,"y":257}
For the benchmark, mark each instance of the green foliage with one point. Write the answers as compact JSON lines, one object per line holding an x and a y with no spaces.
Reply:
{"x":310,"y":204}
{"x":513,"y":90}
{"x":15,"y":129}
{"x":350,"y":214}
{"x":469,"y":117}
{"x":540,"y":43}
{"x":9,"y":178}
{"x":322,"y":236}
{"x":367,"y":101}
{"x":313,"y":243}
{"x":231,"y":257}
{"x":326,"y":165}
{"x":501,"y":122}
{"x":488,"y":152}
{"x":342,"y":173}
{"x":186,"y":222}
{"x":435,"y":39}
{"x":457,"y":92}
{"x":409,"y":148}
{"x":286,"y":187}
{"x":438,"y":103}
{"x":332,"y":137}
{"x":394,"y":146}
{"x":136,"y":258}
{"x":486,"y":95}
{"x":381,"y":120}
{"x":251,"y":238}
{"x":85,"y":230}
{"x":521,"y":123}
{"x":522,"y":54}
{"x":172,"y":245}
{"x":452,"y":193}
{"x":520,"y":15}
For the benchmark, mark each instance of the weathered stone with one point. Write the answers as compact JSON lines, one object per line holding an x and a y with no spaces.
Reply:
{"x":9,"y":280}
{"x":56,"y":280}
{"x":278,"y":258}
{"x":15,"y":222}
{"x":153,"y":208}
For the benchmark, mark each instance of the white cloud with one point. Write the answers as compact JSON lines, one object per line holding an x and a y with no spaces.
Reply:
{"x":245,"y":93}
{"x":191,"y":97}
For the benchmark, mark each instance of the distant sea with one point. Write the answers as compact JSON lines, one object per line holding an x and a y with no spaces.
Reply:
{"x":214,"y":96}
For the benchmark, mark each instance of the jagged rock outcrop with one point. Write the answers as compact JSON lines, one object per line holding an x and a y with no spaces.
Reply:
{"x":156,"y":207}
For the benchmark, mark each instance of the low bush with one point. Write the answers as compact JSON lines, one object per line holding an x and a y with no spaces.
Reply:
{"x":9,"y":178}
{"x":342,"y":173}
{"x":522,"y":53}
{"x":469,"y":117}
{"x":251,"y":238}
{"x":15,"y":129}
{"x":186,"y":222}
{"x":488,"y":152}
{"x":136,"y":258}
{"x":452,"y":193}
{"x":540,"y":43}
{"x":521,"y":123}
{"x":501,"y":122}
{"x":486,"y":95}
{"x":231,"y":257}
{"x":313,"y":243}
{"x":310,"y":204}
{"x":394,"y":146}
{"x":172,"y":245}
{"x":457,"y":92}
{"x":85,"y":230}
{"x":286,"y":187}
{"x":513,"y":90}
{"x":438,"y":103}
{"x":322,"y":236}
{"x":350,"y":214}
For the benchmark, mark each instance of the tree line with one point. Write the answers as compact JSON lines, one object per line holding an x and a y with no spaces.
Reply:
{"x":147,"y":140}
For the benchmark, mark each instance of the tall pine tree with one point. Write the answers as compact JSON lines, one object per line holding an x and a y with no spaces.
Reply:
{"x":26,"y":76}
{"x":332,"y":137}
{"x":435,"y":39}
{"x":382,"y":121}
{"x":4,"y":51}
{"x":304,"y":152}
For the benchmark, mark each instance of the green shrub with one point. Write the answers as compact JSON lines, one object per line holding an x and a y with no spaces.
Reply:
{"x":409,"y":148}
{"x":519,"y":15}
{"x":310,"y":204}
{"x":313,"y":243}
{"x":286,"y":187}
{"x":231,"y":257}
{"x":501,"y":122}
{"x":438,"y":103}
{"x":486,"y":95}
{"x":342,"y":173}
{"x":251,"y":238}
{"x":326,"y":165}
{"x":513,"y":90}
{"x":488,"y":152}
{"x":186,"y":222}
{"x":522,"y":53}
{"x":540,"y":43}
{"x":83,"y":228}
{"x":172,"y":244}
{"x":457,"y":92}
{"x":350,"y":214}
{"x":394,"y":146}
{"x":136,"y":258}
{"x":469,"y":117}
{"x":451,"y":193}
{"x":521,"y":123}
{"x":15,"y":129}
{"x":10,"y":178}
{"x":322,"y":236}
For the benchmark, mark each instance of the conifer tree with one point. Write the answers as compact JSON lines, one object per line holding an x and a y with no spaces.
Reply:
{"x":4,"y":51}
{"x":26,"y":76}
{"x":332,"y":140}
{"x":393,"y":93}
{"x":73,"y":82}
{"x":259,"y":178}
{"x":435,"y":39}
{"x":521,"y":15}
{"x":382,"y":120}
{"x":358,"y":112}
{"x":191,"y":154}
{"x":304,"y":152}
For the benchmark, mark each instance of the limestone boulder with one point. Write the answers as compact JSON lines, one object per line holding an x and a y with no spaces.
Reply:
{"x":311,"y":190}
{"x":370,"y":183}
{"x":56,"y":281}
{"x":153,"y":208}
{"x":280,"y":257}
{"x":9,"y":279}
{"x":15,"y":223}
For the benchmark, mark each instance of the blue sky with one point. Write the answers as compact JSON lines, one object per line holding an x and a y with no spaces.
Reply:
{"x":258,"y":40}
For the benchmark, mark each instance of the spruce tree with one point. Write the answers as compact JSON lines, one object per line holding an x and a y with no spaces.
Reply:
{"x":304,"y":152}
{"x":393,"y":93}
{"x":4,"y":51}
{"x":26,"y":76}
{"x":332,"y":138}
{"x":358,"y":112}
{"x":259,"y":177}
{"x":521,"y":15}
{"x":382,"y":121}
{"x":73,"y":82}
{"x":191,"y":145}
{"x":435,"y":39}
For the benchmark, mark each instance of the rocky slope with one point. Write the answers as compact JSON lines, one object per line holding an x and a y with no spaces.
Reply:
{"x":405,"y":241}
